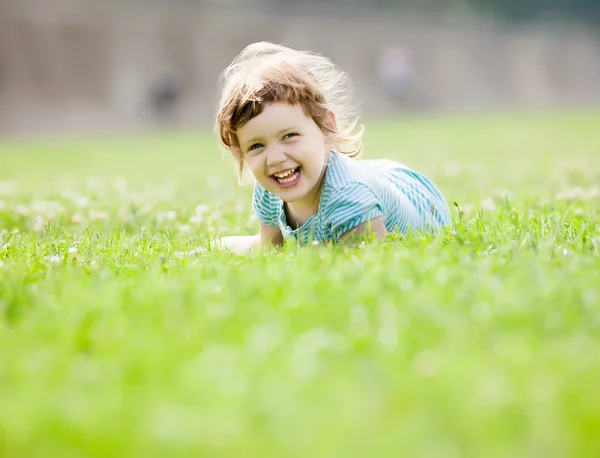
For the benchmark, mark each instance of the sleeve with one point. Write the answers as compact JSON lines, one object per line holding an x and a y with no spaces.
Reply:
{"x":353,"y":204}
{"x":265,"y":206}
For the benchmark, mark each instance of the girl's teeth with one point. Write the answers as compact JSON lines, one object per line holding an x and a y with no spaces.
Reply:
{"x":289,"y":172}
{"x":289,"y":178}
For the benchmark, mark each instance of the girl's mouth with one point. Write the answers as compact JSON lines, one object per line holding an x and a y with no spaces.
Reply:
{"x":287,"y":178}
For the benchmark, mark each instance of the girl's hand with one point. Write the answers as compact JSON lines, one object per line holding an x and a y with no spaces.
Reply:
{"x":239,"y":244}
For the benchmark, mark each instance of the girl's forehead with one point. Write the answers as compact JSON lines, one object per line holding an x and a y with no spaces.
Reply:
{"x":274,"y":117}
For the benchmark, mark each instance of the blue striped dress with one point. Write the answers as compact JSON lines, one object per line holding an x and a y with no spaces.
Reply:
{"x":356,"y":191}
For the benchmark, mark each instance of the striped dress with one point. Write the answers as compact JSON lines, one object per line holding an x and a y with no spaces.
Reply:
{"x":356,"y":191}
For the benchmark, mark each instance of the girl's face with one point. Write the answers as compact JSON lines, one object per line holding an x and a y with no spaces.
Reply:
{"x":286,"y":151}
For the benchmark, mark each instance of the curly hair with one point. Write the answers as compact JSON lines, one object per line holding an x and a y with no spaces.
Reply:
{"x":264,"y":73}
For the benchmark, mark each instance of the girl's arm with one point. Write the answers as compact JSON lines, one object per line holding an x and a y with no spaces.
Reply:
{"x":374,"y":226}
{"x":241,"y":244}
{"x":270,"y":236}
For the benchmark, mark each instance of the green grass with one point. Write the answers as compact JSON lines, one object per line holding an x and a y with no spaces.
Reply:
{"x":482,"y":342}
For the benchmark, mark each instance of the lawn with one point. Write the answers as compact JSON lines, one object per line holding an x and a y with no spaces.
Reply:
{"x":123,"y":334}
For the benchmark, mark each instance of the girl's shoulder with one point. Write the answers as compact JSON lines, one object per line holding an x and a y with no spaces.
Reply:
{"x":343,"y":170}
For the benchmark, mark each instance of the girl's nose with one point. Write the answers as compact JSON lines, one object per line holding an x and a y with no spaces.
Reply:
{"x":276,"y":156}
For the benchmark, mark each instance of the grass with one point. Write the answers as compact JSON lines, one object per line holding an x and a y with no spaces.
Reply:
{"x":119,"y":338}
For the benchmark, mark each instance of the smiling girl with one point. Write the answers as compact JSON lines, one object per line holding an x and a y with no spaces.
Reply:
{"x":286,"y":116}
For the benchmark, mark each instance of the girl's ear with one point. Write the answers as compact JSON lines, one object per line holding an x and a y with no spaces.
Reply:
{"x":330,"y":122}
{"x":330,"y":127}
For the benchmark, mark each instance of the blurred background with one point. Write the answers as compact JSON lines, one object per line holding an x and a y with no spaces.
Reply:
{"x":83,"y":66}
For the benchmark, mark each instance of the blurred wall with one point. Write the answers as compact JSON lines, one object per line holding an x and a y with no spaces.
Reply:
{"x":67,"y":68}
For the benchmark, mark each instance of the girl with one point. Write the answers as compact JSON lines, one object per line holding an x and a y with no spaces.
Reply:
{"x":285,"y":115}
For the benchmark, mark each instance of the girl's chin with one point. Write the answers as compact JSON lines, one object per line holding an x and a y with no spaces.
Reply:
{"x":289,"y":195}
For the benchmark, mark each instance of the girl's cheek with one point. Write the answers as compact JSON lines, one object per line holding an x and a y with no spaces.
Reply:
{"x":256,"y":164}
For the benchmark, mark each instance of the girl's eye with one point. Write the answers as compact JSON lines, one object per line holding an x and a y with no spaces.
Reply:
{"x":254,"y":147}
{"x":290,"y":135}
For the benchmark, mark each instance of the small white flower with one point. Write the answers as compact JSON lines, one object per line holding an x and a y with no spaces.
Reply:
{"x":73,"y":251}
{"x":168,"y":216}
{"x":201,"y":209}
{"x":54,"y":259}
{"x":315,"y":243}
{"x":120,"y":184}
{"x":488,"y":204}
{"x":503,"y":193}
{"x":124,"y":215}
{"x":98,"y":215}
{"x":187,"y":254}
{"x":196,"y":219}
{"x":38,"y":224}
{"x":570,"y":194}
{"x":7,"y":188}
{"x":93,"y":183}
{"x":82,"y":201}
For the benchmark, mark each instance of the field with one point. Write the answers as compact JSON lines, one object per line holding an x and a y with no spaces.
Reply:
{"x":123,"y":334}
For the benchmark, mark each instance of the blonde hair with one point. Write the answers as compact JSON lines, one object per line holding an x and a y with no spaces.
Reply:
{"x":264,"y":73}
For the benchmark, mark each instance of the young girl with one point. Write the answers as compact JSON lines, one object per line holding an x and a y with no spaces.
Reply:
{"x":285,"y":115}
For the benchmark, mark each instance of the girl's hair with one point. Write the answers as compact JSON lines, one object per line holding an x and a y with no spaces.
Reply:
{"x":265,"y":72}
